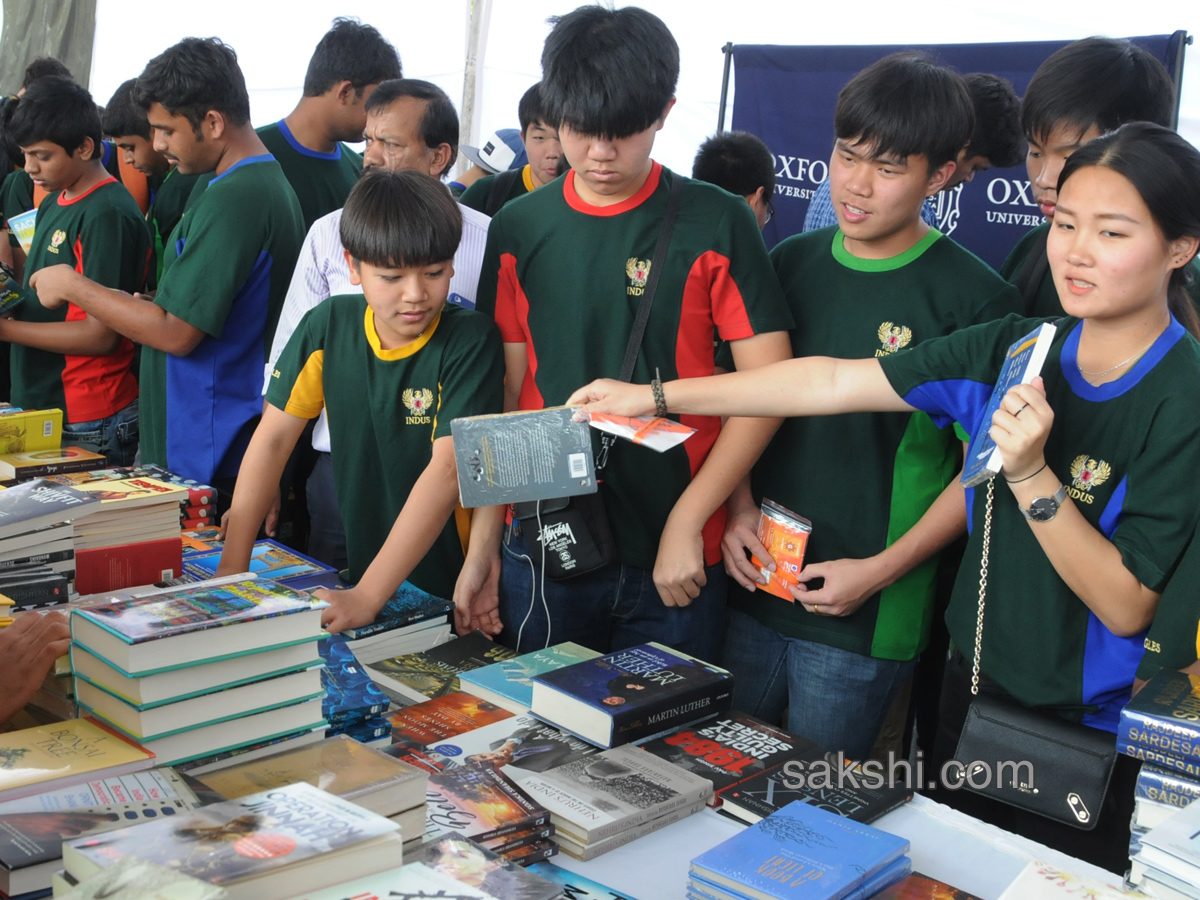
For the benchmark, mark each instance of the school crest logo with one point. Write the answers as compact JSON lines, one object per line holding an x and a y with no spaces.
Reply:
{"x":56,"y":240}
{"x":1087,"y":473}
{"x":638,"y":271}
{"x":417,"y":401}
{"x":946,"y":209}
{"x":893,"y":338}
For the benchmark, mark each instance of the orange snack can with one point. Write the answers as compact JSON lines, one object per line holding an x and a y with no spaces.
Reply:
{"x":785,"y":535}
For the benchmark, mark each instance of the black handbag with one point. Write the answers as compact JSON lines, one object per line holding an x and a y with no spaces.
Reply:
{"x":573,"y":534}
{"x":1028,"y":758}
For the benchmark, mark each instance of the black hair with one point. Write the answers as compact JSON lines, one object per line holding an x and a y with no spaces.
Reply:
{"x":350,"y":51}
{"x":124,"y":117}
{"x":530,"y":110}
{"x":58,"y":110}
{"x":404,"y":218}
{"x":737,"y":161}
{"x":905,"y":104}
{"x":439,"y":123}
{"x":9,"y":147}
{"x":43,"y":67}
{"x":1097,"y":81}
{"x":997,"y":136}
{"x":194,"y":76}
{"x":608,"y":72}
{"x":1165,"y":170}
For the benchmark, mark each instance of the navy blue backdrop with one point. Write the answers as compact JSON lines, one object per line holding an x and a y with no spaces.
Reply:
{"x":786,"y":96}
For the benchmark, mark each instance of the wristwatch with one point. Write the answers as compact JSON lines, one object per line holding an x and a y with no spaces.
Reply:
{"x":1043,"y":509}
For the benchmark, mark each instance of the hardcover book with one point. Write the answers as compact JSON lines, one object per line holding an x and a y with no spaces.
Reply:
{"x":40,"y":463}
{"x":1164,"y":786}
{"x":121,"y":566}
{"x":169,"y":630}
{"x":590,"y":850}
{"x":1039,"y":881}
{"x":350,"y":694}
{"x":519,"y":746}
{"x":1022,"y":364}
{"x":577,"y":887}
{"x":509,"y":683}
{"x":36,"y":504}
{"x":729,"y":749}
{"x":368,"y":730}
{"x":416,"y":677}
{"x":478,"y":802}
{"x":47,"y":757}
{"x":130,"y":878}
{"x":1164,"y":717}
{"x":631,"y":694}
{"x":339,"y":765}
{"x":131,"y":493}
{"x":268,"y":559}
{"x":875,"y":886}
{"x":443,"y":717}
{"x":408,"y":605}
{"x":471,"y":864}
{"x":598,"y":796}
{"x":528,"y":854}
{"x":1174,"y":846}
{"x":255,"y":847}
{"x":921,"y":887}
{"x":799,"y":853}
{"x":412,"y":882}
{"x":30,"y":429}
{"x":507,"y":842}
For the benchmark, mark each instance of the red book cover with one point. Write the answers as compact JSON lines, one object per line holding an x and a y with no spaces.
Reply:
{"x":127,"y":565}
{"x":196,"y":511}
{"x":191,"y":524}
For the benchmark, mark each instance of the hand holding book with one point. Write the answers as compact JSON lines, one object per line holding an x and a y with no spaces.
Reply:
{"x":1020,"y":427}
{"x":28,"y":649}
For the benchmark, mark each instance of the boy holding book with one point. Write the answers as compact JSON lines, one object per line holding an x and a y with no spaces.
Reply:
{"x":90,"y":225}
{"x":877,"y":284}
{"x":391,"y":368}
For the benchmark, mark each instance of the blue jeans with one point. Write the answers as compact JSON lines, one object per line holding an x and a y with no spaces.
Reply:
{"x":609,"y":609}
{"x":835,"y":697}
{"x":116,"y":437}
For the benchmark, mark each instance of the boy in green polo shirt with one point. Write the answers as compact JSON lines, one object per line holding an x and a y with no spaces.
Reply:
{"x":89,"y":223}
{"x":391,"y":368}
{"x":878,"y":284}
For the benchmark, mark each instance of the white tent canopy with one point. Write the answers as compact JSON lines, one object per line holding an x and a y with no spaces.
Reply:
{"x":274,"y":43}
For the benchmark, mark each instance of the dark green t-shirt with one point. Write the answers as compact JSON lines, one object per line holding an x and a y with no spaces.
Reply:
{"x":169,"y":197}
{"x":16,"y":196}
{"x":477,"y":195}
{"x":102,"y":235}
{"x":322,"y":181}
{"x":1125,"y":451}
{"x":1173,"y":641}
{"x":385,"y":410}
{"x":226,"y":271}
{"x":566,"y":278}
{"x":865,"y":479}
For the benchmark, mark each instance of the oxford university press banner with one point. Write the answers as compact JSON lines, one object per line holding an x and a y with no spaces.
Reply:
{"x":786,"y":96}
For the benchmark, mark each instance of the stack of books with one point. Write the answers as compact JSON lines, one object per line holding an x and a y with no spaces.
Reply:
{"x":341,"y":766}
{"x":267,"y":846}
{"x":354,"y":705}
{"x":429,"y":723}
{"x":37,"y":541}
{"x":30,"y":464}
{"x":509,"y":683}
{"x":801,"y":853}
{"x":410,"y":622}
{"x":605,"y":800}
{"x":203,"y":670}
{"x":268,"y":559}
{"x":56,"y":697}
{"x":417,"y":677}
{"x":196,"y":505}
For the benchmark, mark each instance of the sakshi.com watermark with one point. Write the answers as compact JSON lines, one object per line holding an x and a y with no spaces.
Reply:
{"x":834,"y":771}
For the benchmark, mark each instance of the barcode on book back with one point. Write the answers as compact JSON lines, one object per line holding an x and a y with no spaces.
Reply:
{"x":48,"y":428}
{"x":577,"y":464}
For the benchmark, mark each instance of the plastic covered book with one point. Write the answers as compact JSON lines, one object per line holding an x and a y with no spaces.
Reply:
{"x":509,"y":683}
{"x":471,"y":864}
{"x":36,"y":504}
{"x":43,"y":758}
{"x":350,"y":694}
{"x":519,"y":746}
{"x":416,"y":677}
{"x":268,"y":559}
{"x":479,"y":802}
{"x":444,"y":717}
{"x":575,"y":886}
{"x":1163,"y":717}
{"x":130,"y":878}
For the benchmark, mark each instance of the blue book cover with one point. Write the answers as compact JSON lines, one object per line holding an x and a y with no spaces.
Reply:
{"x":408,"y":605}
{"x":1164,"y":716}
{"x":576,"y":887}
{"x":367,"y":730}
{"x":1164,"y":786}
{"x":1022,"y":364}
{"x":268,"y":559}
{"x":350,"y":694}
{"x":512,"y":679}
{"x":800,"y":853}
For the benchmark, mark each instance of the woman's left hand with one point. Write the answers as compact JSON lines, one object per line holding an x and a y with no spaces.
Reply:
{"x":1020,"y":428}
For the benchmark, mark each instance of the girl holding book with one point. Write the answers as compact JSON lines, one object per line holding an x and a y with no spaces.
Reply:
{"x":1092,"y":507}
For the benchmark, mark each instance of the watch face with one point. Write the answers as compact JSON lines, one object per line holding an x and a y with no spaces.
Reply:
{"x":1043,"y":509}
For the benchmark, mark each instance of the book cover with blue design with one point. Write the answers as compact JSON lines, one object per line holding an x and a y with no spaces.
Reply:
{"x":631,"y":694}
{"x":1022,"y":364}
{"x":350,"y":694}
{"x":1163,"y":718}
{"x":1160,"y":785}
{"x":407,"y":606}
{"x":365,"y":731}
{"x":268,"y":559}
{"x":577,"y":887}
{"x":800,"y":853}
{"x":509,"y":683}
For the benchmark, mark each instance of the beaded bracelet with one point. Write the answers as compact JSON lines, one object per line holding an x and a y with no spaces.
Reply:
{"x":660,"y":400}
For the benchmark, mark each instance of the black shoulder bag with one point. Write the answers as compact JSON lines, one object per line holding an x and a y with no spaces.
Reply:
{"x":1032,"y":272}
{"x":502,"y":183}
{"x":574,"y":532}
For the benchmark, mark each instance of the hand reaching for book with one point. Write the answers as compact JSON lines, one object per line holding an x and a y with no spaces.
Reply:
{"x":607,"y":395}
{"x":477,"y":596}
{"x":350,"y":608}
{"x":28,"y":649}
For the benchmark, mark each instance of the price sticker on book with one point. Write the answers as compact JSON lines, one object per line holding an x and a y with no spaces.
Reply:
{"x":785,"y":535}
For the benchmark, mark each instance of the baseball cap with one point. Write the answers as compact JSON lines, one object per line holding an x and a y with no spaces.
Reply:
{"x":502,"y":150}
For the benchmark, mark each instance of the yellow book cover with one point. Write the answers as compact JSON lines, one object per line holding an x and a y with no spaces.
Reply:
{"x":30,"y":429}
{"x":34,"y":758}
{"x":132,"y":492}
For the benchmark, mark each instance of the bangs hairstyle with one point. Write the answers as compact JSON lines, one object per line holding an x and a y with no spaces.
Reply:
{"x":997,"y":136}
{"x":398,"y":219}
{"x":530,"y":110}
{"x":439,"y":123}
{"x":1097,"y":81}
{"x":8,"y":106}
{"x":194,"y":76}
{"x":123,"y":117}
{"x":350,"y":51}
{"x":906,"y":104}
{"x":737,"y":161}
{"x":1165,"y":170}
{"x":58,"y":110}
{"x":608,"y":73}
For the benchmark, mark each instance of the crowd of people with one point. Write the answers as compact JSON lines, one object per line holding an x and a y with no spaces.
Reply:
{"x":838,"y":374}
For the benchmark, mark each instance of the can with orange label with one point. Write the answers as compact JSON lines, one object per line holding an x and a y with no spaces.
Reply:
{"x":785,"y":535}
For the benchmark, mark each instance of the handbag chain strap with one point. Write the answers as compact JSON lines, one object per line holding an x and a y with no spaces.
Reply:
{"x":983,"y":572}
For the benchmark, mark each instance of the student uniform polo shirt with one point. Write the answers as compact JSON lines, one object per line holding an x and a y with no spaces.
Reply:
{"x":102,"y":235}
{"x":226,"y":272}
{"x":322,"y":181}
{"x":864,"y":479}
{"x":476,"y":196}
{"x":566,"y":279}
{"x":168,"y":199}
{"x":385,"y":409}
{"x":1126,"y":451}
